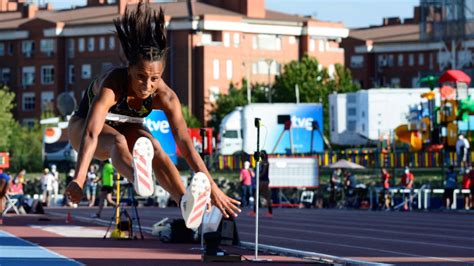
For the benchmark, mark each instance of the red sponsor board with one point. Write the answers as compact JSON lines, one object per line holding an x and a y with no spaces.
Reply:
{"x":196,"y":138}
{"x":4,"y":160}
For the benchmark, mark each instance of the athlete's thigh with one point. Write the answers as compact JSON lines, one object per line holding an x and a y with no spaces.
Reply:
{"x":107,"y":137}
{"x":133,"y":131}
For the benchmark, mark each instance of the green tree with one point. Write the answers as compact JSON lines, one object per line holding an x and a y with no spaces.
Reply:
{"x":314,"y":84}
{"x":26,"y":148}
{"x":191,"y":120}
{"x":226,"y":104}
{"x":6,"y":117}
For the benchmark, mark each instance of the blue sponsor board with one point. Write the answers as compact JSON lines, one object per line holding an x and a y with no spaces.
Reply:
{"x":302,"y":118}
{"x":158,"y":124}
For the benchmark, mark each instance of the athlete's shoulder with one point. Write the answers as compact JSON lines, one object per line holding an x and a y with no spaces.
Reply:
{"x":165,"y":97}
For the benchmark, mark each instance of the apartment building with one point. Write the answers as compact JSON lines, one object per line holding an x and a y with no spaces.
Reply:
{"x":46,"y":52}
{"x":398,"y":52}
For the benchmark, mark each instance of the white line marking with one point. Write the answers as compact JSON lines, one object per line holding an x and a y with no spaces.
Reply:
{"x":356,"y":247}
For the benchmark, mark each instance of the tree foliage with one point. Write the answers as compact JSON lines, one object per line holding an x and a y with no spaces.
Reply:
{"x":22,"y":143}
{"x":6,"y":116}
{"x":191,"y":121}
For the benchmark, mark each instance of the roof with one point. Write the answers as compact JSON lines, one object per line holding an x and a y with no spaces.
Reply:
{"x":105,"y":14}
{"x":388,"y":34}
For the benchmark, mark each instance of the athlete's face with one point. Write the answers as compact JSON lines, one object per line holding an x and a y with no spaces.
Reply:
{"x":145,"y":77}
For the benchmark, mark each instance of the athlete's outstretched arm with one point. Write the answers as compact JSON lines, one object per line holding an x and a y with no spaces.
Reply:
{"x":93,"y":126}
{"x":172,"y":108}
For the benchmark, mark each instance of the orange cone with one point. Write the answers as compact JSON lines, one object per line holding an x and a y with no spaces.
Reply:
{"x":69,"y":218}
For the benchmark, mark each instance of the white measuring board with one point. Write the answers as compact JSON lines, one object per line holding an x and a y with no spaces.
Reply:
{"x":293,"y":172}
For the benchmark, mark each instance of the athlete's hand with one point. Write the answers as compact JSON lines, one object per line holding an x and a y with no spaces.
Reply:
{"x":226,"y":205}
{"x":74,"y":192}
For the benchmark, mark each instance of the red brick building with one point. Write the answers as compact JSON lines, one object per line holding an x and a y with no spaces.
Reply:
{"x":45,"y":52}
{"x":397,"y":53}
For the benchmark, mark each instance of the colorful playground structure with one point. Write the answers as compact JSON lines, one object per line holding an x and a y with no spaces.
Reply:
{"x":441,"y":116}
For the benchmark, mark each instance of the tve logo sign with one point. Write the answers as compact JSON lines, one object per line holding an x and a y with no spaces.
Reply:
{"x":158,"y":124}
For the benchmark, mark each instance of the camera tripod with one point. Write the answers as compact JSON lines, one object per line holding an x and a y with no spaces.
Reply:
{"x":128,"y":224}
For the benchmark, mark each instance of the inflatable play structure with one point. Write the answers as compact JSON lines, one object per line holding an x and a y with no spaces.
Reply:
{"x":432,"y":127}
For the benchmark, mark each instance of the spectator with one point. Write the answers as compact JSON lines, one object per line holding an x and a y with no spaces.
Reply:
{"x":450,"y":184}
{"x":386,"y":189}
{"x":4,"y":186}
{"x":46,"y":186}
{"x":69,"y":177}
{"x":55,"y":183}
{"x":466,"y":184}
{"x":407,"y":182}
{"x":16,"y":191}
{"x":461,"y":151}
{"x":350,"y":184}
{"x":334,"y":183}
{"x":471,"y":187}
{"x":107,"y":187}
{"x":91,"y":185}
{"x":264,"y":188}
{"x":246,"y":175}
{"x":467,"y":151}
{"x":21,"y":176}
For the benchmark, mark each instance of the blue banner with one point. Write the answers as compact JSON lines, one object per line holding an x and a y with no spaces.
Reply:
{"x":158,"y":124}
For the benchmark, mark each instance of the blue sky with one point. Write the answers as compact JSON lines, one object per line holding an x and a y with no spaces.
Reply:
{"x":353,"y":13}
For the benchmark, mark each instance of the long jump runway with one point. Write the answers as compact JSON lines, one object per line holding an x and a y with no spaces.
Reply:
{"x":400,"y":238}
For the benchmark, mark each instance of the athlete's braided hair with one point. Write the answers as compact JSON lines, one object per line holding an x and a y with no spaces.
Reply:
{"x":142,"y":33}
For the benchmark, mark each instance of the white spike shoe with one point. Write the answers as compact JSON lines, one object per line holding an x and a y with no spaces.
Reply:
{"x":194,"y":201}
{"x":142,"y":167}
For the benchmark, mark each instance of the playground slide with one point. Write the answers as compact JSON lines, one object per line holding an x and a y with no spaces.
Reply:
{"x":410,"y":137}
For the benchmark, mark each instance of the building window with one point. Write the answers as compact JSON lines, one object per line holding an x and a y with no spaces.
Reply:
{"x":236,"y":40}
{"x":395,"y":82}
{"x":28,"y":101}
{"x":400,"y":60}
{"x":357,"y":61}
{"x":390,"y":60}
{"x":421,"y":59}
{"x":311,"y":45}
{"x":2,"y":49}
{"x":47,"y":101}
{"x":363,"y":114}
{"x":268,"y":42}
{"x":351,"y":98}
{"x":263,"y":67}
{"x":47,"y":46}
{"x":215,"y":67}
{"x":229,"y":69}
{"x":351,"y":111}
{"x":414,"y":82}
{"x":206,"y":38}
{"x":102,"y":43}
{"x":6,"y":75}
{"x":322,"y":45}
{"x":28,"y":76}
{"x":411,"y":59}
{"x":81,"y":46}
{"x":86,"y":71}
{"x":10,"y":49}
{"x":226,"y":39}
{"x":28,"y":122}
{"x":431,"y":55}
{"x":213,"y":94}
{"x":70,"y":48}
{"x":351,"y":125}
{"x":91,"y":44}
{"x":111,"y":43}
{"x":71,"y":74}
{"x":363,"y":127}
{"x":47,"y":74}
{"x":292,"y":40}
{"x":28,"y":48}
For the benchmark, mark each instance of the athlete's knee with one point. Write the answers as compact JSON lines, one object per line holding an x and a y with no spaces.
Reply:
{"x":120,"y":141}
{"x":158,"y":151}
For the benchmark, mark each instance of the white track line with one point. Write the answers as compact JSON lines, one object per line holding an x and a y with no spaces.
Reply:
{"x":355,"y":247}
{"x":366,"y":237}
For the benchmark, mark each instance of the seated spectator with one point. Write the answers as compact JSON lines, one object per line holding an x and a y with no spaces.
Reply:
{"x":16,"y":191}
